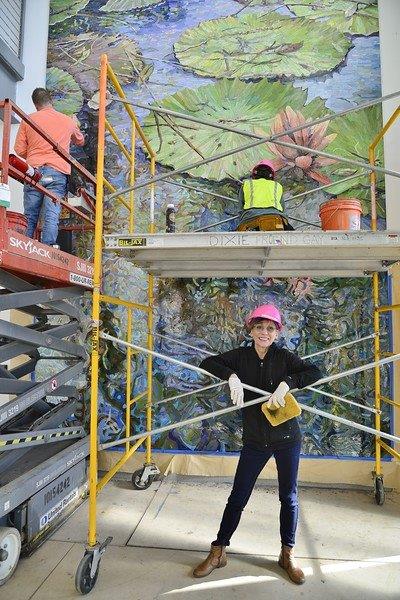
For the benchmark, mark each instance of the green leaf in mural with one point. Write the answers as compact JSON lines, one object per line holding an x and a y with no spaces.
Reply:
{"x":80,"y":56}
{"x":252,"y":46}
{"x":248,"y":106}
{"x":60,"y":10}
{"x":359,"y":18}
{"x":355,"y":133}
{"x":66,"y":93}
{"x":127,"y":5}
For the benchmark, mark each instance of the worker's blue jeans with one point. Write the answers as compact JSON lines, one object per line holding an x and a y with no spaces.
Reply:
{"x":251,"y":463}
{"x":34,"y":201}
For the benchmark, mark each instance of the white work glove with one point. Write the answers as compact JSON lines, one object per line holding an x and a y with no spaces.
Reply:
{"x":277,"y":399}
{"x":236,"y":389}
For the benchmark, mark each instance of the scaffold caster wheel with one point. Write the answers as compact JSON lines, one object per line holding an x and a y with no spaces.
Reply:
{"x":379,"y":491}
{"x":85,"y":580}
{"x":139,"y":482}
{"x":10,"y":548}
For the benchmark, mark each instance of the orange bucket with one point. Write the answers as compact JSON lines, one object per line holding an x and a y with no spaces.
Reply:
{"x":17,"y":222}
{"x":341,"y":214}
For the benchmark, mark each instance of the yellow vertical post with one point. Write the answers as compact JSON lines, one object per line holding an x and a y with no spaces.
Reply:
{"x":98,"y":231}
{"x":132,"y":178}
{"x":128,"y":378}
{"x":150,"y":320}
{"x":377,"y":374}
{"x":375,"y":300}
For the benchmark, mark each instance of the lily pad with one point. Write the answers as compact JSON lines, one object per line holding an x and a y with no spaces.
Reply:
{"x":127,"y":5}
{"x":355,"y":132}
{"x":252,"y":46}
{"x":60,"y":10}
{"x":248,"y":106}
{"x":66,"y":94}
{"x":359,"y":18}
{"x":80,"y":56}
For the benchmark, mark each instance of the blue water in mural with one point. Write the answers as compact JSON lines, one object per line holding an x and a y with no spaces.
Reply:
{"x":156,"y":30}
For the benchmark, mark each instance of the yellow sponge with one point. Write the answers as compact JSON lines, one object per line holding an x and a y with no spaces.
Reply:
{"x":279,"y":415}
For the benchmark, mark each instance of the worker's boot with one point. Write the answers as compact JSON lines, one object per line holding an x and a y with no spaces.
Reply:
{"x":215,"y":560}
{"x":286,"y":561}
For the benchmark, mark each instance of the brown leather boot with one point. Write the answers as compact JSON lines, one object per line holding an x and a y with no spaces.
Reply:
{"x":286,"y":561}
{"x":215,"y":560}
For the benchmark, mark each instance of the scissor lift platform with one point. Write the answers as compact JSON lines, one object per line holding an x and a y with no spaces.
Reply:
{"x":261,"y":254}
{"x":39,"y":263}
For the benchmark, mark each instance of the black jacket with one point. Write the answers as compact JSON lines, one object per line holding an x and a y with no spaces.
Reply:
{"x":278,"y":365}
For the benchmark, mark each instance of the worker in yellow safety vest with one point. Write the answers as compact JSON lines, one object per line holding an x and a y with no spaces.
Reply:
{"x":262,"y":203}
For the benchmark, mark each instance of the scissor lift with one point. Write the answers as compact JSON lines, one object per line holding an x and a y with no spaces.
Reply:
{"x":43,"y":445}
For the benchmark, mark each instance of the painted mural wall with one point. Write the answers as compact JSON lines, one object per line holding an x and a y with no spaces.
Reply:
{"x":262,"y":66}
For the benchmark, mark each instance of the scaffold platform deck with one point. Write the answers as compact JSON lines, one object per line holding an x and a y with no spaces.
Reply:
{"x":260,"y":254}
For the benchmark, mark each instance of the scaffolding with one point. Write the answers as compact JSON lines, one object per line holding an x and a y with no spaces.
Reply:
{"x":221,"y":254}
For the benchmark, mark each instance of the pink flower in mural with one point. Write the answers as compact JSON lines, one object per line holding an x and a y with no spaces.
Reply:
{"x":298,"y":162}
{"x":300,"y":287}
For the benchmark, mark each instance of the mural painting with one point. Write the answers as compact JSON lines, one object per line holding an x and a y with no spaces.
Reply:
{"x":262,"y":66}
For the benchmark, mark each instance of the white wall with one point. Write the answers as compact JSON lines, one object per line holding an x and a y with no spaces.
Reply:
{"x":389,"y":30}
{"x":34,"y":57}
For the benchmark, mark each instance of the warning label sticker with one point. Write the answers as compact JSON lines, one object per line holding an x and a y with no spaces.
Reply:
{"x":81,"y":279}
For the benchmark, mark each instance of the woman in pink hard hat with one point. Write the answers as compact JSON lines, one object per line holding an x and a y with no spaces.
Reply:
{"x":261,"y":200}
{"x":267,"y":366}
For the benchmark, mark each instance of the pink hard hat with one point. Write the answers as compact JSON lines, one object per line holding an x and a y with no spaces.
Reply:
{"x":266,"y":311}
{"x":264,"y":163}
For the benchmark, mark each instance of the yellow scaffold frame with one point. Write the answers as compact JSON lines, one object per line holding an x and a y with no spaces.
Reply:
{"x":87,"y":571}
{"x":108,"y":75}
{"x":378,"y":310}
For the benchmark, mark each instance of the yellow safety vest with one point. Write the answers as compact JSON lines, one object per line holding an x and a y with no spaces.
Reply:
{"x":262,"y":193}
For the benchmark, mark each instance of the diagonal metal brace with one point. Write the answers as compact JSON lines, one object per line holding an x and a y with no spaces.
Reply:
{"x":35,"y":338}
{"x":16,"y":406}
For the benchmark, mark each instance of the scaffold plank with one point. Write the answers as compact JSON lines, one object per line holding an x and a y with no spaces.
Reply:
{"x":261,"y":254}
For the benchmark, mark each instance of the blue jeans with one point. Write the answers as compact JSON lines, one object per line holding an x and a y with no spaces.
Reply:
{"x":35,"y":200}
{"x":251,"y":463}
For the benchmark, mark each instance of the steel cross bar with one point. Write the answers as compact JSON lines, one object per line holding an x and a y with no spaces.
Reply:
{"x":244,"y":132}
{"x":16,"y":284}
{"x":14,"y":407}
{"x":265,"y":395}
{"x":351,"y":343}
{"x":15,"y":386}
{"x":24,"y":439}
{"x":345,"y":400}
{"x":36,"y":338}
{"x":34,"y":297}
{"x":263,"y":140}
{"x":14,"y":349}
{"x":196,"y":189}
{"x":323,"y":393}
{"x":195,"y":391}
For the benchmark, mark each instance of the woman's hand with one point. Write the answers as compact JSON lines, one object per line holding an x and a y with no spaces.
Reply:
{"x":236,"y":389}
{"x":277,"y":399}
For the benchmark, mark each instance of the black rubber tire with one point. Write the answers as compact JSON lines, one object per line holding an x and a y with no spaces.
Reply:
{"x":83,"y":582}
{"x":379,"y":491}
{"x":137,"y":484}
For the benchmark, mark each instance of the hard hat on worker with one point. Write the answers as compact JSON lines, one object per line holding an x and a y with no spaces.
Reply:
{"x":264,"y":163}
{"x":265,"y":311}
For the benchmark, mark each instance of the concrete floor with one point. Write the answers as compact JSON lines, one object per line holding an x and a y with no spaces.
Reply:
{"x":348,"y":546}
